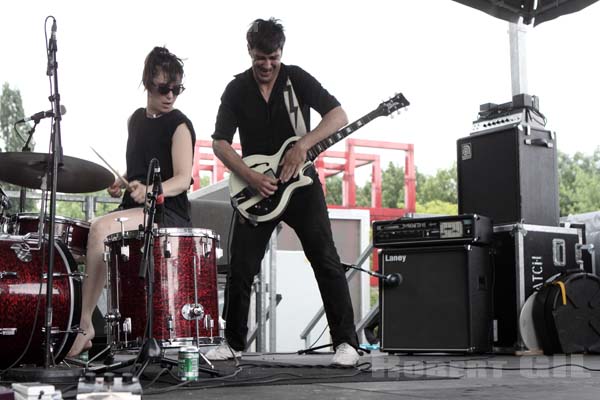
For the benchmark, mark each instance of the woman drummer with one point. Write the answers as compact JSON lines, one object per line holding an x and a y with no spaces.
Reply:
{"x":158,"y":131}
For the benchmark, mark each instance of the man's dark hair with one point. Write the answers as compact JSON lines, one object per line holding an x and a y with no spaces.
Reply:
{"x":160,"y":59}
{"x":266,"y":36}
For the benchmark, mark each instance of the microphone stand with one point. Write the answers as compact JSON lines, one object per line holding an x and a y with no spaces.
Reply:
{"x":56,"y":160}
{"x":390,"y":280}
{"x":56,"y":157}
{"x":150,"y":348}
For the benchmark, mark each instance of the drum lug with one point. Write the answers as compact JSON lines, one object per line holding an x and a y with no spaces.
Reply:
{"x":78,"y":276}
{"x":192,"y":311}
{"x":74,"y":329}
{"x":23,"y":251}
{"x":167,"y":249}
{"x":127,"y":327}
{"x":8,"y":274}
{"x":170,"y":326}
{"x":125,"y":253}
{"x":75,"y":275}
{"x":8,"y":331}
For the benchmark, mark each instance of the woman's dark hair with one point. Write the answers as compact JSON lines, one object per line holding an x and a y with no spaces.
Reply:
{"x":266,"y":36}
{"x":160,"y":59}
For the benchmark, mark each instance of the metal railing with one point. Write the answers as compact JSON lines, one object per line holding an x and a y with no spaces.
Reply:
{"x":305,"y":335}
{"x":89,"y":203}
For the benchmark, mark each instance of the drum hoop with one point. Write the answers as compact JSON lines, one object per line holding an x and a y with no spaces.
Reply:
{"x":33,"y":216}
{"x":172,"y":232}
{"x":63,"y":250}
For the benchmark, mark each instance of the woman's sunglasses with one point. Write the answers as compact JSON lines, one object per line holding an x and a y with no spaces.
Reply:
{"x":165,"y":89}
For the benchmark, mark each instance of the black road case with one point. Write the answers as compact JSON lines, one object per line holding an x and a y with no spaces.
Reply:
{"x":526,"y":256}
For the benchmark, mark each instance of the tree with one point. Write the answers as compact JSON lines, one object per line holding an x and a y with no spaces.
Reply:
{"x":363,"y":195}
{"x":11,"y":110}
{"x":442,"y":186}
{"x":334,"y":190}
{"x":437,"y":207}
{"x":392,"y":186}
{"x":579,"y":182}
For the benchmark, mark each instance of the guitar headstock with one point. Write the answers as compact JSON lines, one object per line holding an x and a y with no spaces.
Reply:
{"x":394,"y":104}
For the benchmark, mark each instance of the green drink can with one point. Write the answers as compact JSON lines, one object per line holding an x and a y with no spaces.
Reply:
{"x":188,"y":363}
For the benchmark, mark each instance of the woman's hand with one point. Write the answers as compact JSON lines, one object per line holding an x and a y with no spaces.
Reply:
{"x":138,"y":192}
{"x":115,"y":189}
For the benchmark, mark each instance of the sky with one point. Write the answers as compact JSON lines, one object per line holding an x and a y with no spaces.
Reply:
{"x":446,"y":58}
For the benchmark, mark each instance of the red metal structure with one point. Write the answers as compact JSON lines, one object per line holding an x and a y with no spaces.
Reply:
{"x":328,"y":164}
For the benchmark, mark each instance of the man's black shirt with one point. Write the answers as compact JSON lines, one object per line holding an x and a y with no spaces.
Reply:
{"x":263,"y":127}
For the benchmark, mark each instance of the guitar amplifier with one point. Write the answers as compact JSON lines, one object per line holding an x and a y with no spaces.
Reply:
{"x":444,"y":303}
{"x":409,"y":232}
{"x":510,"y":175}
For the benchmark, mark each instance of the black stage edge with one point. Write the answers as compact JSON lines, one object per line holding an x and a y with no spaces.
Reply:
{"x":59,"y":374}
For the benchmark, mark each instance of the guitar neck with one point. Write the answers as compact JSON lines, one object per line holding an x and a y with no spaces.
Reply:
{"x":326,"y":143}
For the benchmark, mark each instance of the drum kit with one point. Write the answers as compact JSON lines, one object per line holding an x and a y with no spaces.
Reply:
{"x":185,"y":300}
{"x":40,"y":279}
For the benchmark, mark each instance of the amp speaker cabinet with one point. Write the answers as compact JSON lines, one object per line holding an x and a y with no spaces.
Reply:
{"x":444,"y":303}
{"x":509,"y":175}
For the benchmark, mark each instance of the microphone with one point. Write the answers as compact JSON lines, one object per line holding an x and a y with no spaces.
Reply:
{"x":393,"y":280}
{"x":157,"y":185}
{"x":41,"y":115}
{"x":51,"y":50}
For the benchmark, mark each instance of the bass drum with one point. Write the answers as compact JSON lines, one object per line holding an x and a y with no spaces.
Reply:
{"x":23,"y":273}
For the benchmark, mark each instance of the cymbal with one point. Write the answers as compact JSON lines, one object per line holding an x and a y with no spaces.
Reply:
{"x":74,"y":175}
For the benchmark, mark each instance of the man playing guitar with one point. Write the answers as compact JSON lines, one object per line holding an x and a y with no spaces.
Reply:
{"x":254,"y":103}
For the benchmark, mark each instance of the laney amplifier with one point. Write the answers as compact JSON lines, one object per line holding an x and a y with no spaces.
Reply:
{"x":444,"y":302}
{"x":447,"y":230}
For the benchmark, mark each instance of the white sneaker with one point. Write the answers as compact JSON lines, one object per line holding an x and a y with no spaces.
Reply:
{"x":345,"y":355}
{"x":222,"y":352}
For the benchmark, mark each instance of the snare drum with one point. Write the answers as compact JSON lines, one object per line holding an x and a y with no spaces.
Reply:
{"x":22,"y":285}
{"x":185,"y":297}
{"x":73,"y":232}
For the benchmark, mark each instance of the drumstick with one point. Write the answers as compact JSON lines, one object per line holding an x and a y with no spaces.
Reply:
{"x":114,"y":171}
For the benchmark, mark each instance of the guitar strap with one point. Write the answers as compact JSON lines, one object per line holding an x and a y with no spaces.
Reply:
{"x":293,"y":107}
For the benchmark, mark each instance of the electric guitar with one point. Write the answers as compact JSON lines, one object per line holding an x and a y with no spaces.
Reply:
{"x":256,"y":208}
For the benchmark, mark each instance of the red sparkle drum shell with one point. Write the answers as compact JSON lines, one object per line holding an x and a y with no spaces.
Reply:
{"x":177,"y":252}
{"x":73,"y":232}
{"x":20,"y":283}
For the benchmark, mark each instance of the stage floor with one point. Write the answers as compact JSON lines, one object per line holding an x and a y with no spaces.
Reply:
{"x":383,"y":376}
{"x":477,"y":377}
